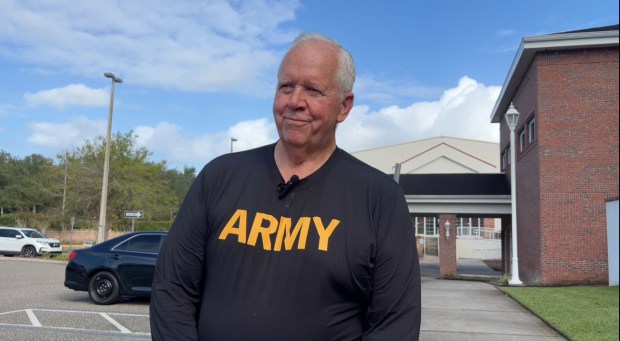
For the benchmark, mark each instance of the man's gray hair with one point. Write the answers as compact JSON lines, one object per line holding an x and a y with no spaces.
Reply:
{"x":345,"y":76}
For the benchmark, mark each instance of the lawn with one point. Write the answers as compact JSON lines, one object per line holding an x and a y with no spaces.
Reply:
{"x":580,"y":312}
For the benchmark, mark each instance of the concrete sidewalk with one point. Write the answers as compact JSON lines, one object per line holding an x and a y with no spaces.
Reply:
{"x":471,"y":310}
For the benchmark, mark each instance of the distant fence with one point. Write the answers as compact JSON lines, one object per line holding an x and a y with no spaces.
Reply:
{"x":79,"y":236}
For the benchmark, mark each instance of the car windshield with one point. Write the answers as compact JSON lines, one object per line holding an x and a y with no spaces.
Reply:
{"x":33,"y":234}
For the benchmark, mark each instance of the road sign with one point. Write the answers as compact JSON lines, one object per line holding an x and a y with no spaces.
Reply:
{"x":133,"y":214}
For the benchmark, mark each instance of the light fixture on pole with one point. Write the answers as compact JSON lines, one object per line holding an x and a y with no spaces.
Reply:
{"x":232,"y":139}
{"x":447,"y":226}
{"x":512,"y":117}
{"x":106,"y":164}
{"x":397,"y":172}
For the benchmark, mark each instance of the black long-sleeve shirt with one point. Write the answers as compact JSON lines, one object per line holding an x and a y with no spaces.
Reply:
{"x":334,"y":259}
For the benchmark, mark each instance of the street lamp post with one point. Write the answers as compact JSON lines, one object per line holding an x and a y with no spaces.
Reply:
{"x":106,"y":164}
{"x":232,"y":139}
{"x":512,"y":116}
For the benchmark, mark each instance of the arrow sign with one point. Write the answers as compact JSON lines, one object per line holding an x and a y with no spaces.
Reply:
{"x":133,"y":214}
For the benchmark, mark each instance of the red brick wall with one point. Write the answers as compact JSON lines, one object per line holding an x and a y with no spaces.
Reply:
{"x":576,"y":109}
{"x":447,"y":246}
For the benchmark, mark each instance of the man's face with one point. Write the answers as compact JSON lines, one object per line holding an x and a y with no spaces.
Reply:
{"x":308,"y":104}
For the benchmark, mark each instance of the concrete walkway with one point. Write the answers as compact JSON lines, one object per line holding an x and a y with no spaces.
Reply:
{"x":471,"y":310}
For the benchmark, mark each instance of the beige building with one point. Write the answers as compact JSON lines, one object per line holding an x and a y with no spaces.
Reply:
{"x":437,"y":155}
{"x":454,"y":176}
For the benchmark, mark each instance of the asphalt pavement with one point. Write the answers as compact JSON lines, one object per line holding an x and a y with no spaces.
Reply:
{"x":42,"y":309}
{"x":474,"y":310}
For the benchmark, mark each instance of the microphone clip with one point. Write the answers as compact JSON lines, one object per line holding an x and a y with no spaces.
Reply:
{"x":284,"y":188}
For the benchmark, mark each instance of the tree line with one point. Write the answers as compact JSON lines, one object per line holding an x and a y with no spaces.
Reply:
{"x":41,"y":192}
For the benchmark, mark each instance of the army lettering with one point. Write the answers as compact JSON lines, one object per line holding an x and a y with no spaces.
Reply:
{"x":282,"y":232}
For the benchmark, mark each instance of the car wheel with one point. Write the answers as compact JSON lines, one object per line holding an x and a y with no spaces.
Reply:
{"x":103,"y":288}
{"x":29,"y":251}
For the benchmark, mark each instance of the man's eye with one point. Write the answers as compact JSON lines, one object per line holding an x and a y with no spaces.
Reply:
{"x":314,"y":91}
{"x":286,"y":88}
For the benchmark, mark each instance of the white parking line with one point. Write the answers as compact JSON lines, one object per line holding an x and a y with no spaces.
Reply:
{"x":35,"y":323}
{"x":33,"y":319}
{"x":115,"y":323}
{"x":91,"y":312}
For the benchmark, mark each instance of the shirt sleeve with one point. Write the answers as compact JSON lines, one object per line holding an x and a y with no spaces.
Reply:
{"x":394,"y":312}
{"x":179,"y":274}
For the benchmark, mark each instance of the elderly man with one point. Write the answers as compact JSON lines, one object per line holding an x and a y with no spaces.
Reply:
{"x":296,"y":240}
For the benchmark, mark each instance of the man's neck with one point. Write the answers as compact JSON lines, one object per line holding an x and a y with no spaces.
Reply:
{"x":298,"y":161}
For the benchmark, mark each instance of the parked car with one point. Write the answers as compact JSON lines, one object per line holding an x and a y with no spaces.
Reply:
{"x":118,"y":268}
{"x":27,"y":242}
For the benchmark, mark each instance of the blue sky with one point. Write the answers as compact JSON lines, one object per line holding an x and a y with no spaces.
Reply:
{"x":196,"y":73}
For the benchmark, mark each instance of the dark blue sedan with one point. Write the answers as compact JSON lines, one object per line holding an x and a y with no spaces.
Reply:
{"x":117,"y":268}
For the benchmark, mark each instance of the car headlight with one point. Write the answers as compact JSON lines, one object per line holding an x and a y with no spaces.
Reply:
{"x":43,"y":243}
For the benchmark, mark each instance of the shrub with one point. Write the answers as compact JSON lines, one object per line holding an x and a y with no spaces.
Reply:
{"x":7,"y":220}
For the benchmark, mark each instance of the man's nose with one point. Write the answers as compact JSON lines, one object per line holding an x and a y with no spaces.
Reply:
{"x":297,"y":98}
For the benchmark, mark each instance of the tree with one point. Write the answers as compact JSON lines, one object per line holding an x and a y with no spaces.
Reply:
{"x":27,"y":183}
{"x":6,"y":162}
{"x":134,"y":183}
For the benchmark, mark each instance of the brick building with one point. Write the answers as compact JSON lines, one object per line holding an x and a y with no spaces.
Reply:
{"x":565,"y":87}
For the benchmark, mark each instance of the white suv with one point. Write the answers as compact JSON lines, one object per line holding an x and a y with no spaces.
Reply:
{"x":27,"y":242}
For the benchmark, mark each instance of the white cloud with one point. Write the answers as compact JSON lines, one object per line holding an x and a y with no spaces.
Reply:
{"x":170,"y":144}
{"x":462,"y":111}
{"x":251,"y":134}
{"x":222,"y":45}
{"x":70,"y":95}
{"x":65,"y":135}
{"x":167,"y":141}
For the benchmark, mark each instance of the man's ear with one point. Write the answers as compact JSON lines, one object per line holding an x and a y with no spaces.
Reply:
{"x":345,"y":106}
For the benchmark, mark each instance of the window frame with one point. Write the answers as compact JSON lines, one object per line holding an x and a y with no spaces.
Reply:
{"x":531,"y":129}
{"x":522,"y":143}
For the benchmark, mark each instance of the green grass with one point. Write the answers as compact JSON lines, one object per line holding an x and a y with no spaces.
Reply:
{"x":580,"y":312}
{"x":62,"y":257}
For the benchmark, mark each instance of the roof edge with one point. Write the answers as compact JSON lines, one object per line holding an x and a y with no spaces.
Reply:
{"x":531,"y":45}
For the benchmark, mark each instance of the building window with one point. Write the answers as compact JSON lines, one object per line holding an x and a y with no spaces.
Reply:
{"x":522,"y":140}
{"x":426,"y":226}
{"x":469,"y":227}
{"x":475,"y":228}
{"x":463,"y":227}
{"x":419,"y":225}
{"x":431,"y":226}
{"x":506,"y":158}
{"x":531,"y":126}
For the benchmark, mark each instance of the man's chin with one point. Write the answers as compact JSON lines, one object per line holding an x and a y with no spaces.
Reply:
{"x":293,"y":142}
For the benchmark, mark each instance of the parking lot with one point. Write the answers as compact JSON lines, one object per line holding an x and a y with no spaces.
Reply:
{"x":35,"y":305}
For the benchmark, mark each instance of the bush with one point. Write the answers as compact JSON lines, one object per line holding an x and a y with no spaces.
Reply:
{"x":7,"y":220}
{"x":147,"y":225}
